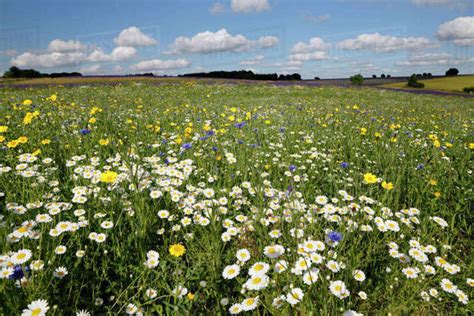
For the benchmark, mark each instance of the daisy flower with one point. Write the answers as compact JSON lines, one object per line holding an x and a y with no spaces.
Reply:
{"x":231,"y":271}
{"x":37,"y":308}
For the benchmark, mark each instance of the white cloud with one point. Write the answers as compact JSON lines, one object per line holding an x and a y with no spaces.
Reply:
{"x":93,"y":69}
{"x":158,"y":64}
{"x":48,"y":60}
{"x":118,"y":54}
{"x":385,"y":43}
{"x":459,"y":30}
{"x":314,"y":50}
{"x":432,"y":2}
{"x":268,"y":41}
{"x":459,"y":4}
{"x":220,"y":41}
{"x":252,"y":61}
{"x":316,"y":18}
{"x":217,"y":8}
{"x":430,"y":59}
{"x":247,"y":6}
{"x":314,"y":56}
{"x":134,"y":37}
{"x":8,"y":52}
{"x":315,"y":44}
{"x":61,"y":46}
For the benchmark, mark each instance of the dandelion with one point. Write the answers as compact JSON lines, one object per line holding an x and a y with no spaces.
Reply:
{"x":108,"y":177}
{"x":387,"y":185}
{"x":177,"y":250}
{"x":370,"y":178}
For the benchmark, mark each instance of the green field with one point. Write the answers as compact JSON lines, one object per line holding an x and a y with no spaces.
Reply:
{"x":448,"y":84}
{"x":187,"y":198}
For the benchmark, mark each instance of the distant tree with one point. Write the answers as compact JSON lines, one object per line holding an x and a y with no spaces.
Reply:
{"x":452,"y":72}
{"x":382,"y":76}
{"x":389,"y":76}
{"x":357,"y":79}
{"x":468,"y":89}
{"x":425,"y":74}
{"x":374,"y":76}
{"x":317,"y":78}
{"x":430,"y":75}
{"x":413,"y":82}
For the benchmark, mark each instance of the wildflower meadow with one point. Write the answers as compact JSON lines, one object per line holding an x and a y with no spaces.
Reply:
{"x":187,"y":198}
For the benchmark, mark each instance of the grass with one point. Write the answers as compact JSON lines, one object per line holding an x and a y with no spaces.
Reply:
{"x":102,"y":182}
{"x":447,"y":84}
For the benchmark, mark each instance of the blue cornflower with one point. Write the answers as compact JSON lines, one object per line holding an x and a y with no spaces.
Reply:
{"x":292,"y":168}
{"x":344,"y":164}
{"x":17,"y":273}
{"x":335,"y":236}
{"x":85,"y":131}
{"x":187,"y":146}
{"x":240,"y":125}
{"x":420,"y":166}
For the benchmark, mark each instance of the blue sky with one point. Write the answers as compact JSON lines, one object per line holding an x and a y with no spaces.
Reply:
{"x":328,"y":39}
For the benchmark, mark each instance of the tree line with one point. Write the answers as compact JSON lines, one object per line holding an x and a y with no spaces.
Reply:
{"x":15,"y":72}
{"x":242,"y":74}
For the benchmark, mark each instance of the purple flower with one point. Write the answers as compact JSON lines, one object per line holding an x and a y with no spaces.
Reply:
{"x":344,"y":164}
{"x":85,"y":131}
{"x":187,"y":146}
{"x":240,"y":125}
{"x":292,"y":168}
{"x":420,"y":166}
{"x":17,"y":273}
{"x":335,"y":236}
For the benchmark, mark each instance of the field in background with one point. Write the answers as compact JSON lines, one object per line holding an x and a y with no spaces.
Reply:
{"x":448,"y":84}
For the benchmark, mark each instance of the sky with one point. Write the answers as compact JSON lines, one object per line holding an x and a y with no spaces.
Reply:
{"x":323,"y":38}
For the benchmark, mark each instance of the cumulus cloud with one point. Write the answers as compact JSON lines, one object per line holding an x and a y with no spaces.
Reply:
{"x":314,"y":56}
{"x":268,"y":41}
{"x":8,"y":52}
{"x":429,"y":59}
{"x":217,"y":8}
{"x":61,"y":46}
{"x":48,"y":60}
{"x":385,"y":43}
{"x":134,"y":37}
{"x":459,"y":30}
{"x":314,"y":50}
{"x":118,"y":54}
{"x":158,"y":64}
{"x":314,"y":44}
{"x":220,"y":41}
{"x":458,"y":4}
{"x":93,"y":69}
{"x":247,"y":6}
{"x":252,"y":61}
